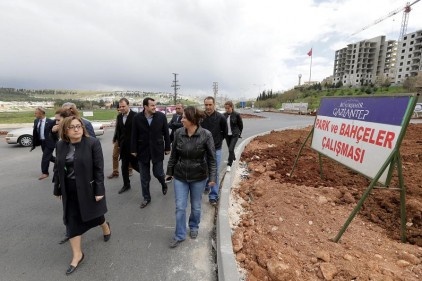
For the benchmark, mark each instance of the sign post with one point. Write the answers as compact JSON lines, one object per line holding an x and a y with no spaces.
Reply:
{"x":365,"y":134}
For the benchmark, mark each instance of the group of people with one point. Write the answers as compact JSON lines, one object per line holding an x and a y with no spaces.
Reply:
{"x":194,"y":146}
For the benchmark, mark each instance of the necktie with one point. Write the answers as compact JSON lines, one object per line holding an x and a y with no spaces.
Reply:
{"x":42,"y":129}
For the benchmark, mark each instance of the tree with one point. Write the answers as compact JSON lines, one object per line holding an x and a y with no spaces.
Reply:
{"x":410,"y":84}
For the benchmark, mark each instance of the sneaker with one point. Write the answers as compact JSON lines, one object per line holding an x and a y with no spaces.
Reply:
{"x":174,"y":243}
{"x":193,"y":234}
{"x":213,"y":202}
{"x":229,"y":168}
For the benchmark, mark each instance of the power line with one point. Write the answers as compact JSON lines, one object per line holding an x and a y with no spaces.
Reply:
{"x":175,"y":86}
{"x":215,"y":89}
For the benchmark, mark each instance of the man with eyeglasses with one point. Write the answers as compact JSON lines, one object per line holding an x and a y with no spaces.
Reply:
{"x":176,"y":120}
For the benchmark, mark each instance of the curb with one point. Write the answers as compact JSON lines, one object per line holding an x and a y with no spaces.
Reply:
{"x":226,"y":262}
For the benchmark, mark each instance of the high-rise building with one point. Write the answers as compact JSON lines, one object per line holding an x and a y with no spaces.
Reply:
{"x":360,"y":63}
{"x":378,"y":61}
{"x":409,"y":56}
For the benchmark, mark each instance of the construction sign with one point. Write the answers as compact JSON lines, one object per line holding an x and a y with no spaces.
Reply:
{"x":360,"y":132}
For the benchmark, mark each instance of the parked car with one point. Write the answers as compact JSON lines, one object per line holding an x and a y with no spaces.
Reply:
{"x":23,"y":136}
{"x":257,"y":110}
{"x":98,"y":128}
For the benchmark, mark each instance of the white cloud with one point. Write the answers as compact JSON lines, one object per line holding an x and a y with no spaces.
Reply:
{"x":245,"y":46}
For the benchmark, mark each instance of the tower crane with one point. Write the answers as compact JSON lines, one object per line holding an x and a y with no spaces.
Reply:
{"x":406,"y":10}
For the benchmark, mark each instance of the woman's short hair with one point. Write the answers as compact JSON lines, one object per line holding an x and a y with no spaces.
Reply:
{"x":229,"y":103}
{"x":194,"y":114}
{"x":66,"y":123}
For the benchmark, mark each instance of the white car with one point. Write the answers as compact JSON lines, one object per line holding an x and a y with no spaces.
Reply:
{"x":98,"y":128}
{"x":257,"y":110}
{"x":23,"y":136}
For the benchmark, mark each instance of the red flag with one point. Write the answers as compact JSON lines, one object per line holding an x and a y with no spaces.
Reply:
{"x":310,"y":52}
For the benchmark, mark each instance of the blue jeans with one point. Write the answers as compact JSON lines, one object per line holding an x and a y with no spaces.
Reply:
{"x":213,"y":195}
{"x":158,"y":172}
{"x":181,"y":193}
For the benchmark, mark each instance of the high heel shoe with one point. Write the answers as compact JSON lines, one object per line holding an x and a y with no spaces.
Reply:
{"x":107,"y":236}
{"x":72,"y":268}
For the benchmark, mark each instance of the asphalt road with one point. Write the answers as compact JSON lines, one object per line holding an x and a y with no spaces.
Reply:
{"x":31,"y":224}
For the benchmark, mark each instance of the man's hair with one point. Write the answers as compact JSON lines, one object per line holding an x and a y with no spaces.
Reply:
{"x":41,"y":109}
{"x":124,"y":100}
{"x":145,"y":102}
{"x":210,"y":98}
{"x":68,"y":104}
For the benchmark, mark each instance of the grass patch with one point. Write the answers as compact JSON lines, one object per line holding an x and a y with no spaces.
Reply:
{"x":28,"y":116}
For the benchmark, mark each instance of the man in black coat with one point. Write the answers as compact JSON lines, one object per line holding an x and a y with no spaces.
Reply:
{"x":150,"y":141}
{"x":214,"y":122}
{"x":41,"y":137}
{"x":123,"y":136}
{"x":176,"y":120}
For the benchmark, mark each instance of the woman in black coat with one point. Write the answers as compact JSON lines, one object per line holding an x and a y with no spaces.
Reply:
{"x":79,"y":182}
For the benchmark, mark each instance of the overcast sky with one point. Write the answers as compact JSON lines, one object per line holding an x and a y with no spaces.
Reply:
{"x":244,"y":45}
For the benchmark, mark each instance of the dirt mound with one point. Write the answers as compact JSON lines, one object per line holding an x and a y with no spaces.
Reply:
{"x":287,"y":223}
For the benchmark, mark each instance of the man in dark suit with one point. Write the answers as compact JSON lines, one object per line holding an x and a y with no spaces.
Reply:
{"x":150,"y":141}
{"x":123,"y":135}
{"x":41,"y":137}
{"x":176,"y":120}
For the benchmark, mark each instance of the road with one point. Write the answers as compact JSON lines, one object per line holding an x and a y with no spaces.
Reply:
{"x":31,"y":224}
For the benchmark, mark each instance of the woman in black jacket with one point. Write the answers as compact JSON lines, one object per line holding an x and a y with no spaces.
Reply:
{"x":234,"y":131}
{"x":79,"y":182}
{"x":192,"y":161}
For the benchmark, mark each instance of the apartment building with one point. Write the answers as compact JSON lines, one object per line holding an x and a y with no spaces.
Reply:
{"x":409,"y":57}
{"x":377,"y":60}
{"x":361,"y":63}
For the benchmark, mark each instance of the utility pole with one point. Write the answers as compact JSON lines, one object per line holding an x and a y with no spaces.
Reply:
{"x":176,"y":87}
{"x":215,"y":88}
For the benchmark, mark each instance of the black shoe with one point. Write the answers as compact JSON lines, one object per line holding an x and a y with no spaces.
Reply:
{"x":144,"y":204}
{"x":164,"y":188}
{"x":174,"y":243}
{"x":72,"y":268}
{"x":193,"y":234}
{"x":213,"y":202}
{"x":64,"y":240}
{"x":123,"y":189}
{"x":107,"y":236}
